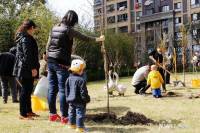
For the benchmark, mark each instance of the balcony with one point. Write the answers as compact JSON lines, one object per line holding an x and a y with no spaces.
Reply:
{"x":196,"y":21}
{"x":195,"y":5}
{"x":111,"y":20}
{"x":110,"y":8}
{"x":122,"y":6}
{"x":177,"y":10}
{"x":122,"y":18}
{"x":156,"y":17}
{"x":97,"y":3}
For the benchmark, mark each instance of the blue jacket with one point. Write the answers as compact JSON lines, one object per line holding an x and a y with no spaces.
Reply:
{"x":76,"y":90}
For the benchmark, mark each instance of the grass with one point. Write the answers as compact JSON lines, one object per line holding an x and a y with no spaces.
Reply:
{"x":180,"y":113}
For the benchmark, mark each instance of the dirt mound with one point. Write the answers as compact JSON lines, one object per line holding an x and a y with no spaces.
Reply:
{"x":135,"y":119}
{"x":128,"y":119}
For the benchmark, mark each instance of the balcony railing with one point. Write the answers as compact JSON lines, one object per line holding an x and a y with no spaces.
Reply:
{"x":195,"y":5}
{"x":178,"y":10}
{"x":156,"y":16}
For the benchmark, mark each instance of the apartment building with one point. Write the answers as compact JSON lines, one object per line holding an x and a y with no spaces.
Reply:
{"x":113,"y":15}
{"x":149,"y":20}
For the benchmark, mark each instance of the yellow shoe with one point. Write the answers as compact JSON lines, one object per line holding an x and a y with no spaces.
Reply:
{"x":71,"y":126}
{"x":80,"y":130}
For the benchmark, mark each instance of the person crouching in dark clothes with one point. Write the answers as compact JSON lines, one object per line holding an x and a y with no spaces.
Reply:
{"x":139,"y":80}
{"x":26,"y":66}
{"x":156,"y":57}
{"x":7,"y":62}
{"x":77,"y":95}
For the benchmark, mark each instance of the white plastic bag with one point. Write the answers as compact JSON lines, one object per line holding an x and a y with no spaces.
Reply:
{"x":41,"y":89}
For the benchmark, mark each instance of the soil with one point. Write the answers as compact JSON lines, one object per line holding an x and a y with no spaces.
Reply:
{"x":170,"y":94}
{"x":130,"y":118}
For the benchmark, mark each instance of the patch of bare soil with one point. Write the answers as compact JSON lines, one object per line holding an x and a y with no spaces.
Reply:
{"x":130,"y":118}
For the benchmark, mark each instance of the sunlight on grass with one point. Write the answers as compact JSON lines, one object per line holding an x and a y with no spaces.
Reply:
{"x":179,"y":114}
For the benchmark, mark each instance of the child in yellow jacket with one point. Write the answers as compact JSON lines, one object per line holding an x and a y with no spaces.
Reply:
{"x":155,"y":80}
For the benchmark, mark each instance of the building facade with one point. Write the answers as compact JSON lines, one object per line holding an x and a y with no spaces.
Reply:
{"x":149,"y":20}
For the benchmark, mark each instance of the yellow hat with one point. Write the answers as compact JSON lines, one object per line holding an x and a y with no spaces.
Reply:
{"x":77,"y":65}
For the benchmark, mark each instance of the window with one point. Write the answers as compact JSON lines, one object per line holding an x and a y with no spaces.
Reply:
{"x":194,"y":32}
{"x":178,"y":6}
{"x":149,"y":11}
{"x":178,"y":20}
{"x":111,"y":20}
{"x":195,"y":16}
{"x":123,"y":29}
{"x":165,"y":30}
{"x":122,"y":17}
{"x":122,"y":6}
{"x":97,"y":2}
{"x":165,"y":23}
{"x":195,"y":3}
{"x":139,"y":1}
{"x":138,"y":27}
{"x":165,"y":9}
{"x":138,"y":15}
{"x":110,"y":8}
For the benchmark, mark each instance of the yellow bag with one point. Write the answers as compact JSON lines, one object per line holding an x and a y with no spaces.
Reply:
{"x":38,"y":104}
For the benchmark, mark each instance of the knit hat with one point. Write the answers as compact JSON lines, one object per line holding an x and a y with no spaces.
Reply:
{"x":77,"y":65}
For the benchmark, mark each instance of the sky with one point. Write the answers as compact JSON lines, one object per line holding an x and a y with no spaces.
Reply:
{"x":83,"y":8}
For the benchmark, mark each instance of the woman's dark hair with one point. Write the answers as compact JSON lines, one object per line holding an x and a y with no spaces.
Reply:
{"x":26,"y":25}
{"x":70,"y":18}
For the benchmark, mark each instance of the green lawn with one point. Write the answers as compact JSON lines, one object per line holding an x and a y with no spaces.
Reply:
{"x":181,"y":113}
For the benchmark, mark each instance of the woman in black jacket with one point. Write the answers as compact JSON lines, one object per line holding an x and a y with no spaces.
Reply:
{"x":59,"y":50}
{"x":26,"y":66}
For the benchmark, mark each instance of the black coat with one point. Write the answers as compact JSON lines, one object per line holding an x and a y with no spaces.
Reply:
{"x":76,"y":90}
{"x":59,"y":46}
{"x":157,"y":56}
{"x":26,"y":56}
{"x":7,"y":62}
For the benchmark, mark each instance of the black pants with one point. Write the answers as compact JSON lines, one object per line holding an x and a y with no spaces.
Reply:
{"x":163,"y":76}
{"x":5,"y":82}
{"x":25,"y":96}
{"x":141,"y":87}
{"x":169,"y":67}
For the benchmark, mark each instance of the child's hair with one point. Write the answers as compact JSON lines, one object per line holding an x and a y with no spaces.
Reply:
{"x":154,"y":67}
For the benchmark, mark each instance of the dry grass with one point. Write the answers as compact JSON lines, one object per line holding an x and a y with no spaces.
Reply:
{"x":181,"y":113}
